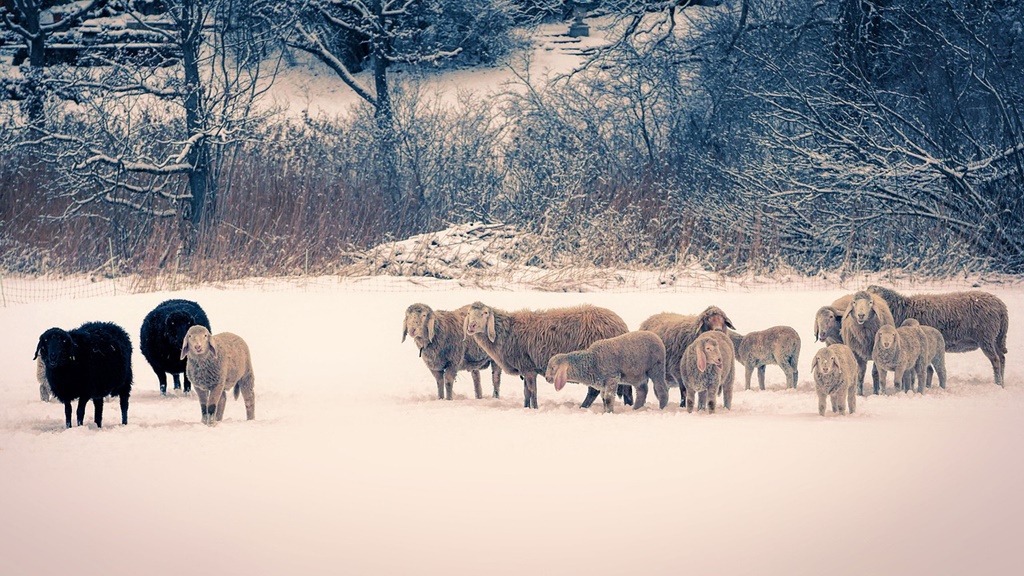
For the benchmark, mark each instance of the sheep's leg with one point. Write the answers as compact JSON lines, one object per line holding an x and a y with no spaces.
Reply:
{"x":439,"y":378}
{"x":840,"y":398}
{"x":476,"y":384}
{"x":530,"y":382}
{"x":727,"y":395}
{"x":880,"y":376}
{"x":177,"y":381}
{"x":221,"y":404}
{"x":67,"y":414}
{"x":97,"y":405}
{"x":496,"y":378}
{"x":449,"y":383}
{"x":861,"y":368}
{"x":749,"y":373}
{"x":247,"y":387}
{"x":712,"y":399}
{"x":851,"y":400}
{"x":608,"y":395}
{"x":922,"y":375}
{"x":162,"y":377}
{"x":188,"y":384}
{"x":940,"y":369}
{"x":688,"y":399}
{"x":44,"y":392}
{"x":80,"y":413}
{"x":592,"y":394}
{"x":124,"y":408}
{"x":790,"y":372}
{"x":626,"y":391}
{"x":993,"y":357}
{"x":702,"y":400}
{"x":641,"y":395}
{"x":204,"y":395}
{"x":875,"y":376}
{"x":821,"y":402}
{"x":660,"y":390}
{"x":683,"y":398}
{"x":760,"y":376}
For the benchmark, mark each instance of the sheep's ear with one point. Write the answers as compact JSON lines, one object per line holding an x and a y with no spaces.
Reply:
{"x":835,"y":362}
{"x":728,"y":322}
{"x":405,"y":329}
{"x":38,"y":348}
{"x":465,"y":326}
{"x":491,"y":334}
{"x":184,"y":349}
{"x":212,"y":349}
{"x":430,"y":327}
{"x":702,"y":359}
{"x":561,"y":375}
{"x":814,"y":363}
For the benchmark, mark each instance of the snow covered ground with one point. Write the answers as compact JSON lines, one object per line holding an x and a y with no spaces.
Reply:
{"x":352,"y":466}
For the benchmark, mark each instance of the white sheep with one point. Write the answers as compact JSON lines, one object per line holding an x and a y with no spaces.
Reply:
{"x":707,"y":367}
{"x":632,"y":358}
{"x":862,"y":319}
{"x":779,"y":345}
{"x":835,"y":375}
{"x":216,"y":363}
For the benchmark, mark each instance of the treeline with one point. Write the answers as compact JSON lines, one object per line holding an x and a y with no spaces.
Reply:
{"x":751,"y":136}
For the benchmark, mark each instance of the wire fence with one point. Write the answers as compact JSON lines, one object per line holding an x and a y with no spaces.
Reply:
{"x":17,"y":290}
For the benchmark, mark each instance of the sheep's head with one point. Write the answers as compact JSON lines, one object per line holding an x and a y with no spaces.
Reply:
{"x":826,"y":321}
{"x":708,"y":353}
{"x":419,"y":323}
{"x":886,"y":337}
{"x":196,"y":343}
{"x":862,"y":308}
{"x":55,"y":347}
{"x":480,"y":319}
{"x":558,"y":371}
{"x":910,"y":322}
{"x":713,"y":318}
{"x":825,"y":363}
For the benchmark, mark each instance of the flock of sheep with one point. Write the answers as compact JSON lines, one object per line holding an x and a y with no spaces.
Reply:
{"x":95,"y":360}
{"x":907,"y":335}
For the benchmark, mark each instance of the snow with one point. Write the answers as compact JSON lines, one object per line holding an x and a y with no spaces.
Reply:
{"x":353,"y":467}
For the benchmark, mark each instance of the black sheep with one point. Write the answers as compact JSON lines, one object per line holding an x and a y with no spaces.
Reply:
{"x":91,"y":361}
{"x":163,"y":331}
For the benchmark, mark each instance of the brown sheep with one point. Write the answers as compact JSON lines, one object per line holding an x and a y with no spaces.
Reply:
{"x":523,"y":342}
{"x":898,"y":350}
{"x":933,"y":351}
{"x":707,"y":367}
{"x":633,"y":358}
{"x":828,"y":321}
{"x":446,"y":350}
{"x":678,"y":331}
{"x":967,"y":320}
{"x":835,"y":375}
{"x":215,"y":364}
{"x":779,"y":345}
{"x":864,"y":316}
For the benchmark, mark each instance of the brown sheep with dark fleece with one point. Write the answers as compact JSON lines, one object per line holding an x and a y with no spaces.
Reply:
{"x":967,"y":320}
{"x":523,"y":342}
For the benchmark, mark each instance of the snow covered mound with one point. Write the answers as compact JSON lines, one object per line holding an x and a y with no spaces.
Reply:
{"x":456,"y":252}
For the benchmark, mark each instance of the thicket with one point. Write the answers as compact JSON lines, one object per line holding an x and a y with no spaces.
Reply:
{"x":770,"y":138}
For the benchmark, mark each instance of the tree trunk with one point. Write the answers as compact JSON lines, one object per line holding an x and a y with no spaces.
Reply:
{"x":385,"y":117}
{"x":36,"y":67}
{"x":198,"y":157}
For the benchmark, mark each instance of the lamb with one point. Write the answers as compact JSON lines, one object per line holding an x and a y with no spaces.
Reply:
{"x":933,"y":351}
{"x":828,"y":321}
{"x":967,"y":320}
{"x":162,"y":332}
{"x":632,"y":358}
{"x":779,"y":345}
{"x":523,"y":342}
{"x":678,"y":331}
{"x":215,"y":363}
{"x":836,"y":371}
{"x":898,"y":350}
{"x":91,"y":361}
{"x":445,"y":349}
{"x":707,"y":368}
{"x":864,"y":316}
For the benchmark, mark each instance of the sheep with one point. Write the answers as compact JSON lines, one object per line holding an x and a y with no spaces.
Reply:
{"x":862,"y":319}
{"x":779,"y":345}
{"x":933,"y":351}
{"x":678,"y":331}
{"x":445,"y":349}
{"x":967,"y":320}
{"x":161,"y":335}
{"x":707,"y":368}
{"x":836,"y":371}
{"x":898,"y":350}
{"x":44,"y":387}
{"x":632,"y":358}
{"x":523,"y":342}
{"x":828,"y":321}
{"x":91,"y":361}
{"x":215,"y":363}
